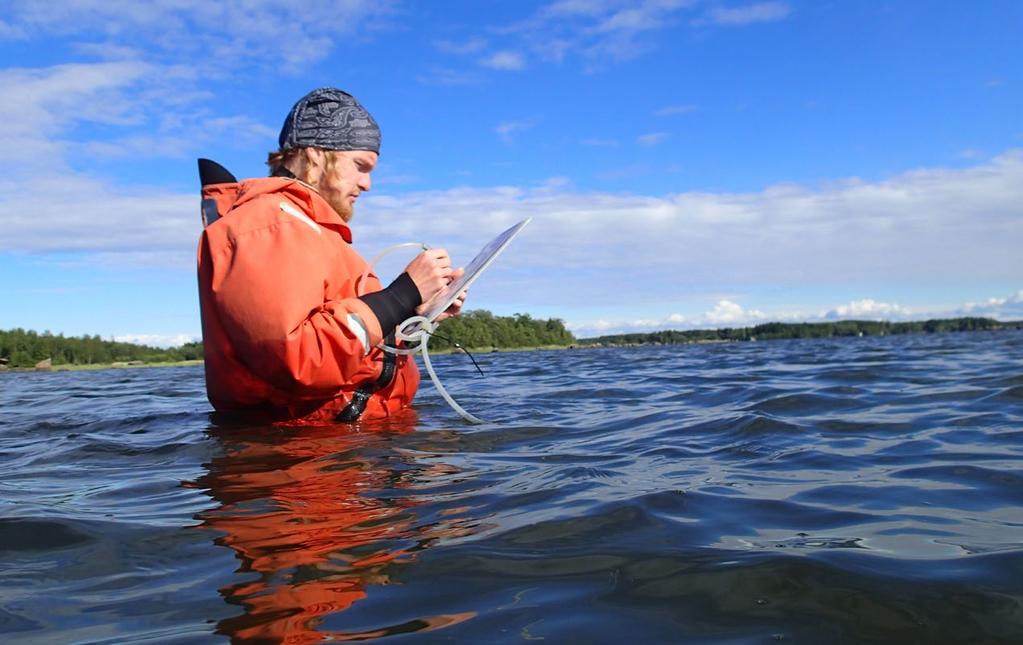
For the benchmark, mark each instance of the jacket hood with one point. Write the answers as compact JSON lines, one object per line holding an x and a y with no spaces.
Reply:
{"x":230,"y":196}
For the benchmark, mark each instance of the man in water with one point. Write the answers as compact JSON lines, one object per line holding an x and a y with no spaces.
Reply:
{"x":291,"y":330}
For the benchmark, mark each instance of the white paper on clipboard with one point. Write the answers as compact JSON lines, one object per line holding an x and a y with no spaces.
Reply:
{"x":473,"y":270}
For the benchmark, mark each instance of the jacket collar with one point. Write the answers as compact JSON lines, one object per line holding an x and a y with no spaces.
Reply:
{"x":303,"y":195}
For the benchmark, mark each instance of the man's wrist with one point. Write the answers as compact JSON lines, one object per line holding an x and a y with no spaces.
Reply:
{"x":394,"y":303}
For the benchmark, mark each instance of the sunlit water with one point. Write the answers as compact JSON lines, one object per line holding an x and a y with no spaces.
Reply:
{"x":823,"y":491}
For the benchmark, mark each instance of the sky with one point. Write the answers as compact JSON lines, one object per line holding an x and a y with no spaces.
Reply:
{"x":686,"y":163}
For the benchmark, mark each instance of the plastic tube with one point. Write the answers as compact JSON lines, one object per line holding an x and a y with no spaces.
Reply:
{"x":379,"y":256}
{"x":420,"y":336}
{"x":423,"y":336}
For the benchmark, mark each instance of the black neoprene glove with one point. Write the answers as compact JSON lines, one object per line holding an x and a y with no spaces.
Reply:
{"x":394,"y":303}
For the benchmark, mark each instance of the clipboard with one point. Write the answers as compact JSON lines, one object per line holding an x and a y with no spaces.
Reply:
{"x":473,"y":270}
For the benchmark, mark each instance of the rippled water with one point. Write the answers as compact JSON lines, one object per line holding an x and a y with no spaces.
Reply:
{"x":848,"y":490}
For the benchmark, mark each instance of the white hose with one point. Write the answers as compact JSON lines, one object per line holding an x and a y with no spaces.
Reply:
{"x":361,"y":285}
{"x":421,"y":336}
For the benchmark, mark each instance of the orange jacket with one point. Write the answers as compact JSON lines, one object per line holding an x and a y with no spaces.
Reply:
{"x":280,"y":317}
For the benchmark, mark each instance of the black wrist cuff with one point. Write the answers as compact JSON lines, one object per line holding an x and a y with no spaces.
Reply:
{"x":395,"y":303}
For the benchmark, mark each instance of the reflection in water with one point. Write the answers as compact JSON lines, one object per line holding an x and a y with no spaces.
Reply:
{"x":320,"y":515}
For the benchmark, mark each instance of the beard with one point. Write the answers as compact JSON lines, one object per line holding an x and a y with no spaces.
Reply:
{"x":343,"y":207}
{"x":340,"y":202}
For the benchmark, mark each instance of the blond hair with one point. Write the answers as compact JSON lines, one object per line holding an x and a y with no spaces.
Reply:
{"x":296,"y":160}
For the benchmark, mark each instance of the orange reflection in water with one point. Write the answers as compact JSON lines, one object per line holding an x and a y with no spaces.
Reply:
{"x":298,"y":507}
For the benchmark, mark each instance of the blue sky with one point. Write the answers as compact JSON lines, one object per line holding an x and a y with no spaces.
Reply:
{"x":687,"y":163}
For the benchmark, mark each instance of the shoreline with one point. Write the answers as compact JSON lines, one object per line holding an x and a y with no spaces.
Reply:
{"x":140,"y":364}
{"x":581,"y":345}
{"x":99,"y":366}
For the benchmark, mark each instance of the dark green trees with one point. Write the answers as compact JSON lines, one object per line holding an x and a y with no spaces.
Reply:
{"x":775,"y":330}
{"x":23,"y":348}
{"x":480,"y":328}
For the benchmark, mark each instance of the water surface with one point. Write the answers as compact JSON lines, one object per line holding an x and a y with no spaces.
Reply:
{"x":846,"y":490}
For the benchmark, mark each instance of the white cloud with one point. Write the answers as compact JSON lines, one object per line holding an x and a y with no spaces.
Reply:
{"x":217,"y":35}
{"x":925,"y":226}
{"x":41,"y":104}
{"x":726,"y":312}
{"x":47,"y":205}
{"x":652,"y":138}
{"x":608,"y":327}
{"x":670,"y":110}
{"x":73,"y":213}
{"x":581,"y":7}
{"x":922,"y":225}
{"x":506,"y":129}
{"x":157,"y":340}
{"x":1002,"y":308}
{"x":505,"y":60}
{"x":868,"y":309}
{"x":179,"y":142}
{"x":156,"y":111}
{"x":643,"y":16}
{"x":598,"y":31}
{"x":748,"y":14}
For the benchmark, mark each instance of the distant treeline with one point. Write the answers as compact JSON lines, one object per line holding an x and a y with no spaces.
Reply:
{"x":480,"y":328}
{"x":476,"y":329}
{"x":775,"y":330}
{"x":21,"y":348}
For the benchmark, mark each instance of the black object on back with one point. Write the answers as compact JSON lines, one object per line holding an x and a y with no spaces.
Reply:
{"x":210,"y":172}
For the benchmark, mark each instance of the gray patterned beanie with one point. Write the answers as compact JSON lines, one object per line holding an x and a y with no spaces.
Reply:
{"x":331,"y":119}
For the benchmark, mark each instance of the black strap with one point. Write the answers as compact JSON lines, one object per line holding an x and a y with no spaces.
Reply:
{"x":283,"y":172}
{"x":357,"y":405}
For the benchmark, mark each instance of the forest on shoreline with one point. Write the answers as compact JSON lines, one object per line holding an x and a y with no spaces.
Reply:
{"x":20,"y":348}
{"x":478,"y":329}
{"x":25,"y":349}
{"x":777,"y":330}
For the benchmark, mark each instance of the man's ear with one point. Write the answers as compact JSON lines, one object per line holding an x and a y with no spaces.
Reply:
{"x":314,"y":157}
{"x":313,"y":165}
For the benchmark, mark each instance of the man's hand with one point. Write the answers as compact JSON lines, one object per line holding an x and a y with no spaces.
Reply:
{"x":431,"y":271}
{"x":455,"y":308}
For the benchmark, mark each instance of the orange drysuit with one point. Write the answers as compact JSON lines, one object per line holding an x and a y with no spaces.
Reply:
{"x":284,"y":332}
